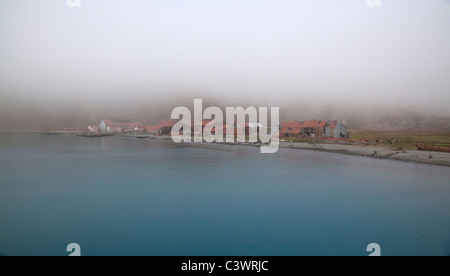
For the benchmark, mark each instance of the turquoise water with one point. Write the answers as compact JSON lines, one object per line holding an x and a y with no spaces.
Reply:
{"x":122,"y":196}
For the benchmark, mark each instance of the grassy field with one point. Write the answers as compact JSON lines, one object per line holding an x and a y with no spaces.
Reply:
{"x":404,"y":139}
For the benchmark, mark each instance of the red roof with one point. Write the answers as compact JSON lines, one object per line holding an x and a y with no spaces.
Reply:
{"x":151,"y":128}
{"x":204,"y":123}
{"x":166,"y":123}
{"x":332,"y":124}
{"x":294,"y":131}
{"x":290,"y":124}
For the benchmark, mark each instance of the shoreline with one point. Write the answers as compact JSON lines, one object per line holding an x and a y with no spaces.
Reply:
{"x":377,"y":152}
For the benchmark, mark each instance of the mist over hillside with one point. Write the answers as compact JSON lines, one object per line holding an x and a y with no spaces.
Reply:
{"x":373,"y":68}
{"x":400,"y":122}
{"x":34,"y":115}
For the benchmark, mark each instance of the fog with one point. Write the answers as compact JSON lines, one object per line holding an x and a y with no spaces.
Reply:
{"x":138,"y":59}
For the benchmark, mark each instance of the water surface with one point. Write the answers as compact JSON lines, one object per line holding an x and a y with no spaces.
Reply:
{"x":122,"y":196}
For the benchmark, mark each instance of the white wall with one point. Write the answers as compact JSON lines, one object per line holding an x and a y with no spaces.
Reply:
{"x":340,"y":128}
{"x":102,"y":126}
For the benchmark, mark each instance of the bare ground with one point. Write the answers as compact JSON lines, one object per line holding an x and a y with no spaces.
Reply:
{"x":435,"y":158}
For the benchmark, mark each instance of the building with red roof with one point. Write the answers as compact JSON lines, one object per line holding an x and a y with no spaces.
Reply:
{"x":112,"y":126}
{"x":163,"y":128}
{"x":314,"y":129}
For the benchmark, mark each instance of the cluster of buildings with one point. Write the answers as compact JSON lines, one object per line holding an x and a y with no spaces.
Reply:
{"x":287,"y":129}
{"x":110,"y":126}
{"x":314,"y":129}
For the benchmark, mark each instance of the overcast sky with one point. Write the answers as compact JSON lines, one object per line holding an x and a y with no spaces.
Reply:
{"x":285,"y":51}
